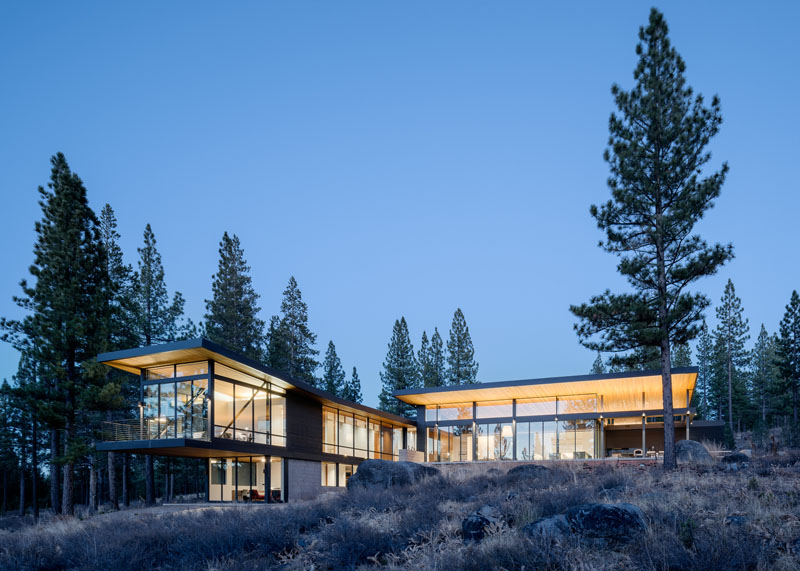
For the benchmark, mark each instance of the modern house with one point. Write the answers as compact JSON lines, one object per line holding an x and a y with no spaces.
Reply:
{"x":269,"y":437}
{"x":264,"y":434}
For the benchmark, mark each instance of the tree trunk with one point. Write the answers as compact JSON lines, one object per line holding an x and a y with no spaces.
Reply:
{"x":150,"y":481}
{"x":5,"y":492}
{"x":126,"y":495}
{"x":92,"y":485}
{"x":35,"y":474}
{"x":22,"y":487}
{"x":55,"y":487}
{"x":67,"y":503}
{"x":112,"y":481}
{"x":730,"y":392}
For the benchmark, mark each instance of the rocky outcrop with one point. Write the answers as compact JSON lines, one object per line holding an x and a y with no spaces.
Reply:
{"x":384,"y":474}
{"x":692,"y":452}
{"x":606,"y":522}
{"x":476,"y":525}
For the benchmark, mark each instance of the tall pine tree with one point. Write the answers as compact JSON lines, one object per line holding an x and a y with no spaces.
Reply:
{"x":763,"y":372}
{"x":462,"y":369}
{"x":732,"y":333}
{"x":788,"y":352}
{"x":656,"y":152}
{"x":352,"y":388}
{"x":683,"y":355}
{"x":400,"y":370}
{"x":65,"y":325}
{"x":159,"y":320}
{"x":333,"y":376}
{"x":598,"y":368}
{"x":231,"y":317}
{"x":431,"y":359}
{"x":290,"y":344}
{"x":705,"y":356}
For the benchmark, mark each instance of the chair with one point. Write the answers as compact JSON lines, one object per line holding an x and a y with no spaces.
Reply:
{"x":637,"y":453}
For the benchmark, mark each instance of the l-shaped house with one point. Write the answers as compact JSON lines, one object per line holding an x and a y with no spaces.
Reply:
{"x":269,"y":437}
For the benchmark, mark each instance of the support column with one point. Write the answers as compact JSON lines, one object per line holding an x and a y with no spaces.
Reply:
{"x":267,"y":479}
{"x":514,"y":426}
{"x":644,"y":439}
{"x":688,"y":419}
{"x":602,"y":438}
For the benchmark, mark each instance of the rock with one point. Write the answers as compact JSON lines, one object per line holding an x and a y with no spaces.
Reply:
{"x":604,"y":522}
{"x":529,"y":471}
{"x":554,"y":527}
{"x":475,"y":526}
{"x":386,"y":474}
{"x":735,"y":458}
{"x":692,"y":452}
{"x":615,"y":522}
{"x":735,"y":520}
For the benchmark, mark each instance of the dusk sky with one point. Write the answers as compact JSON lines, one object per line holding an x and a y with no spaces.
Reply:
{"x":399,"y":159}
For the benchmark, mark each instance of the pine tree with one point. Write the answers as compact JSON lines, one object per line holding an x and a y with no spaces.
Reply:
{"x":683,"y":355}
{"x":656,"y":152}
{"x":788,"y":351}
{"x":333,"y":376}
{"x":231,"y":317}
{"x":400,"y":370}
{"x":763,"y":372}
{"x":732,"y":331}
{"x":121,"y":330}
{"x":598,"y":368}
{"x":66,"y":322}
{"x":158,"y":319}
{"x":462,"y":369}
{"x":352,"y":389}
{"x":290,"y":346}
{"x":438,"y":374}
{"x":705,"y":356}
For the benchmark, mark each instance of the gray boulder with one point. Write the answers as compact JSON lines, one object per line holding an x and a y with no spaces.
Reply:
{"x":617,"y":522}
{"x":602,"y":522}
{"x":475,"y":526}
{"x":529,"y":471}
{"x":692,"y":452}
{"x":384,"y":474}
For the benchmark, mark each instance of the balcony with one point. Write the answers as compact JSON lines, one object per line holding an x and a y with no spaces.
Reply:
{"x":194,"y":428}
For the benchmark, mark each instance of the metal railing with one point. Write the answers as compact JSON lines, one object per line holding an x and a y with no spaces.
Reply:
{"x":195,"y":428}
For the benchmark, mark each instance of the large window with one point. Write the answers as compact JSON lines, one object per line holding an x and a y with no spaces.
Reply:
{"x":174,"y":409}
{"x":334,"y":474}
{"x":494,"y":409}
{"x":495,"y":441}
{"x":246,"y":479}
{"x":349,"y":434}
{"x":248,"y":414}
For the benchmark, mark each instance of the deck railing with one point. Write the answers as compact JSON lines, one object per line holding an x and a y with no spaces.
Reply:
{"x":195,"y":428}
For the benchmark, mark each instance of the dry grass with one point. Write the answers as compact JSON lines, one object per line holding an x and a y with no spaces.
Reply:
{"x":691,"y":514}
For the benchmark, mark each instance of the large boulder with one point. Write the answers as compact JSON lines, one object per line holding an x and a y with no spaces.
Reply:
{"x":692,"y":452}
{"x":476,"y":525}
{"x":529,"y":471}
{"x":604,"y":522}
{"x":384,"y":474}
{"x":618,"y":522}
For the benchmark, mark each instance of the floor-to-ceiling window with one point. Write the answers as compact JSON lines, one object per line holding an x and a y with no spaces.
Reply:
{"x":175,"y":402}
{"x":246,"y":479}
{"x":350,"y":434}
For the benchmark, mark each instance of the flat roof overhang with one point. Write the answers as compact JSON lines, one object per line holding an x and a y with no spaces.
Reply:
{"x":201,"y":349}
{"x":623,"y":389}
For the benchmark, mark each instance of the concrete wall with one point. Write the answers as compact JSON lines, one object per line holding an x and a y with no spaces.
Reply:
{"x":304,"y":479}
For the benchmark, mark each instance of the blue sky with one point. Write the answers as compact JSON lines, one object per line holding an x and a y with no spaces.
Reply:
{"x":401,"y":158}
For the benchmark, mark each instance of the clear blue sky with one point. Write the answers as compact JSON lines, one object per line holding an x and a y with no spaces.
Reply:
{"x":398,"y":158}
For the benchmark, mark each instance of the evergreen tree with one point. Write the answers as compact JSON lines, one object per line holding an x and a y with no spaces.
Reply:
{"x":598,"y":368}
{"x":788,"y":351}
{"x":656,"y":152}
{"x":66,"y":323}
{"x":705,"y":356}
{"x":683,"y":355}
{"x":231,"y":317}
{"x":732,"y":331}
{"x":437,"y":374}
{"x":763,"y":372}
{"x":462,"y":369}
{"x":352,"y":388}
{"x":333,"y":376}
{"x":400,"y":370}
{"x":158,"y":319}
{"x":290,"y":346}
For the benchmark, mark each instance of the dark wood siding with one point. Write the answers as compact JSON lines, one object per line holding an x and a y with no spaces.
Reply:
{"x":303,"y":425}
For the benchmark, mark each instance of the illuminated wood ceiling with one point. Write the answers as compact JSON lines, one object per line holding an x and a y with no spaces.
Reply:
{"x":619,"y":393}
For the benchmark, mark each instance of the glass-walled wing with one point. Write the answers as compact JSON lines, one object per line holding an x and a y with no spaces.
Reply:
{"x":247,"y":409}
{"x":350,"y":434}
